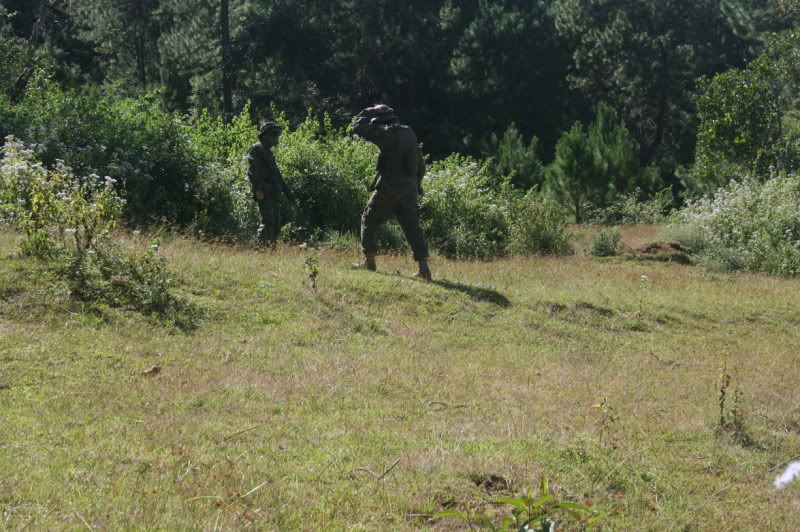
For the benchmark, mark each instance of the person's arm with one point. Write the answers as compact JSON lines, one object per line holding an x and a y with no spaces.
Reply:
{"x":364,"y":128}
{"x":286,"y":190}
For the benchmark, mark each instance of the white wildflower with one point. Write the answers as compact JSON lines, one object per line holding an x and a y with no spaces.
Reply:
{"x":154,"y":247}
{"x":791,"y":474}
{"x":70,"y":230}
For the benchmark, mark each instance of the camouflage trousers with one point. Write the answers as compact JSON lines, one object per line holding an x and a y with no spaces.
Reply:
{"x":270,"y":226}
{"x":402,"y":204}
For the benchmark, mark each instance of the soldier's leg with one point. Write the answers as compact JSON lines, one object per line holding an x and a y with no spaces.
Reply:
{"x":407,"y":213}
{"x":377,"y":212}
{"x":266,"y":229}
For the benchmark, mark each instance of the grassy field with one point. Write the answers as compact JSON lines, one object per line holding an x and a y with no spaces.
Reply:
{"x":287,"y":407}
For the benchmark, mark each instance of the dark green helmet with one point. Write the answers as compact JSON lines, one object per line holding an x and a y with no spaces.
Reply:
{"x":269,"y":128}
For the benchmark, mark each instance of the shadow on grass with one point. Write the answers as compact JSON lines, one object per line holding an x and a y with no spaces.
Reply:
{"x":476,"y":293}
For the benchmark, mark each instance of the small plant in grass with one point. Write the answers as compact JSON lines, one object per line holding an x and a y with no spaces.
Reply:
{"x":606,"y":243}
{"x":311,"y":268}
{"x":731,"y":415}
{"x":529,"y":513}
{"x":608,"y":420}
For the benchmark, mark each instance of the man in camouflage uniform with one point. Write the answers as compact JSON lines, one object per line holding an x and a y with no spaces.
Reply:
{"x":397,"y":185}
{"x":267,"y":182}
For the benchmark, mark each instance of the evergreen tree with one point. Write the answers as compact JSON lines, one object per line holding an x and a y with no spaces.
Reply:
{"x":514,"y":157}
{"x":508,"y":66}
{"x":125,"y":36}
{"x":574,"y":178}
{"x":593,"y":165}
{"x":643,"y":57}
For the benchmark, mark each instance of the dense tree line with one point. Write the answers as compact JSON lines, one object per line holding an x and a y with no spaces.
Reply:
{"x":505,"y":78}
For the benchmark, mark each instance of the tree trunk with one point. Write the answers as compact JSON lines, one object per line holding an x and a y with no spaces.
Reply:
{"x":227,"y":76}
{"x":30,"y":59}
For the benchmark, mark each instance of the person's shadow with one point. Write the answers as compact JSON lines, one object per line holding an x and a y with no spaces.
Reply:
{"x":475,"y":293}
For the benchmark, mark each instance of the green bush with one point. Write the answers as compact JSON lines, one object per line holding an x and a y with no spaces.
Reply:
{"x":539,"y":227}
{"x":328,"y":171}
{"x":465,"y":208}
{"x":635,"y":208}
{"x":225,"y":207}
{"x":748,"y":118}
{"x":67,"y":224}
{"x":132,"y":140}
{"x":748,"y":225}
{"x":606,"y":243}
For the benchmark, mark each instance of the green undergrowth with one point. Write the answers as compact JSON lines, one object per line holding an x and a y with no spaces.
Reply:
{"x":374,"y":401}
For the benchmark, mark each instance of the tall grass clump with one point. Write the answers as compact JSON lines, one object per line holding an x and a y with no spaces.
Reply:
{"x":67,"y":223}
{"x":748,"y":225}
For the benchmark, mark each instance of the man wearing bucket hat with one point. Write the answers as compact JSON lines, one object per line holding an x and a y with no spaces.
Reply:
{"x":397,"y":185}
{"x":267,"y":182}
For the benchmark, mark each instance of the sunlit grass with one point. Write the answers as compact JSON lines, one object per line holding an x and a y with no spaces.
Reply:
{"x":287,"y":403}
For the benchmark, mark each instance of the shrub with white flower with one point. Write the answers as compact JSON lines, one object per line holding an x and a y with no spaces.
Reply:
{"x":466,"y":207}
{"x":57,"y":211}
{"x":67,"y":222}
{"x":748,"y":225}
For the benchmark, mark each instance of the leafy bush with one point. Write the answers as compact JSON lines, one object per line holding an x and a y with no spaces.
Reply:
{"x":538,"y":227}
{"x":132,"y":140}
{"x":465,"y":208}
{"x":635,"y":208}
{"x":328,"y":171}
{"x":605,"y":243}
{"x":225,"y":207}
{"x":67,"y":222}
{"x":748,"y":225}
{"x":748,"y":123}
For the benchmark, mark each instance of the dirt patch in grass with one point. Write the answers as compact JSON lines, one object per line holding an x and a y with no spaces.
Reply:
{"x":662,"y":252}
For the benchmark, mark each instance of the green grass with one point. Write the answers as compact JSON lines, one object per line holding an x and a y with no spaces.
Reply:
{"x":283,"y":407}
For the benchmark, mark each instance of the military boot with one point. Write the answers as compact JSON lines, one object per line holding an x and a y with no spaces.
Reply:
{"x":424,"y":271}
{"x":367,"y":264}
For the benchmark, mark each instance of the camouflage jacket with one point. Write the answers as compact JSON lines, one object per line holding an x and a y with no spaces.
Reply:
{"x":263,"y":172}
{"x":400,"y":162}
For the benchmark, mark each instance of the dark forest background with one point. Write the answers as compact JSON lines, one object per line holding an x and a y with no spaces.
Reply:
{"x":463,"y":73}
